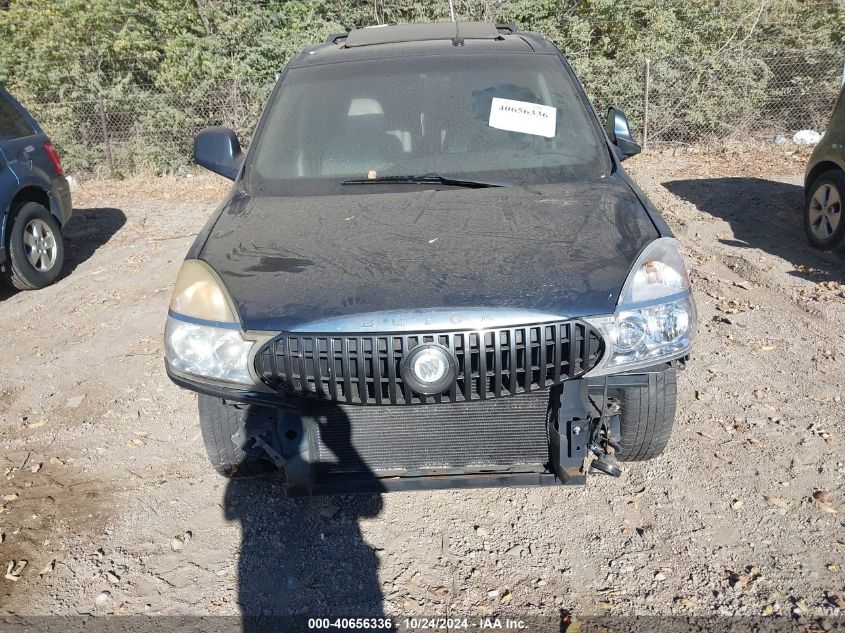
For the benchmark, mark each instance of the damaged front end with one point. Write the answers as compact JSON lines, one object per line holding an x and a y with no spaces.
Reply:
{"x":434,"y":398}
{"x":545,"y":437}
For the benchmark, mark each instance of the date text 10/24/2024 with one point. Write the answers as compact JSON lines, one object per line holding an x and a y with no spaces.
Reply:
{"x":418,"y":624}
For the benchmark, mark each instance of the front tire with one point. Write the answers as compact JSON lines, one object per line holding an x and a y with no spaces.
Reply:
{"x":36,"y":249}
{"x":648,"y":414}
{"x":219,"y":421}
{"x":823,"y":211}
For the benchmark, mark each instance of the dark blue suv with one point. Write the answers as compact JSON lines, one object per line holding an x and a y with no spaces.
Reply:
{"x":34,"y":200}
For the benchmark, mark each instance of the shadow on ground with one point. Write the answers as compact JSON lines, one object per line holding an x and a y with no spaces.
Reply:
{"x":763,"y":214}
{"x":303,"y":556}
{"x":86,"y":231}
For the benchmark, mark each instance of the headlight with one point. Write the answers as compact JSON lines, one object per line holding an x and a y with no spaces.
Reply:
{"x":655,"y":317}
{"x":207,"y":352}
{"x":203,"y":336}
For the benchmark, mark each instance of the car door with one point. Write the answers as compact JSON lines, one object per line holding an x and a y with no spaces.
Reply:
{"x":17,"y":151}
{"x":17,"y":137}
{"x":8,"y":181}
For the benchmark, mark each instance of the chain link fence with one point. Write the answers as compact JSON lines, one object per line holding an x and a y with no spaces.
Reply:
{"x":737,"y":97}
{"x":129,"y":129}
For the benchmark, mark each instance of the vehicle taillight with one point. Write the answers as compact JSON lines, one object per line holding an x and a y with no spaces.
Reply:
{"x":53,"y":153}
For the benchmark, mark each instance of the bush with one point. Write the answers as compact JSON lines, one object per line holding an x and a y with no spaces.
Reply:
{"x":167,"y":68}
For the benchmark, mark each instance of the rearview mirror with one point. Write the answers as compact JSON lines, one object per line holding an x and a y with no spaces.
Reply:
{"x":619,"y":132}
{"x":218,"y":150}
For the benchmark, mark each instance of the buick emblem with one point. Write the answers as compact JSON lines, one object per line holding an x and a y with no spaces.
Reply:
{"x":429,"y":366}
{"x":429,"y":369}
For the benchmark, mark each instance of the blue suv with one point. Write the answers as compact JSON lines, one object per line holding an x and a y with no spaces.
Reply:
{"x":34,"y":200}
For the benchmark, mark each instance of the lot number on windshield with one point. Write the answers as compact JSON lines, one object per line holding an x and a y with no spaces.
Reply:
{"x":522,"y":116}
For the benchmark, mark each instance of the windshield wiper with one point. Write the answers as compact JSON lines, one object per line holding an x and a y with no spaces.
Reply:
{"x":427,"y":179}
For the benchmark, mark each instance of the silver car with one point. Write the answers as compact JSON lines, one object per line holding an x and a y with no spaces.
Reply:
{"x":824,"y":184}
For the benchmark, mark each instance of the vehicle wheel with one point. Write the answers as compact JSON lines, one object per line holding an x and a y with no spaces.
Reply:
{"x":218,"y":422}
{"x":36,"y":249}
{"x":647,"y":417}
{"x":823,"y":211}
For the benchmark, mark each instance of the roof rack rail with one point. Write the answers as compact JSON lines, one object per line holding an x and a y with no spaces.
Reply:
{"x":334,"y":38}
{"x":507,"y":27}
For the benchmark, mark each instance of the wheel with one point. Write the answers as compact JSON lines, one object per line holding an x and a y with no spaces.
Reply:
{"x":220,"y":420}
{"x":36,"y":249}
{"x":823,"y":211}
{"x":647,"y":417}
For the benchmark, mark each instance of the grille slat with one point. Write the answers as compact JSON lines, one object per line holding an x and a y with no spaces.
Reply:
{"x":467,"y":365}
{"x":557,"y":334}
{"x":360,"y":368}
{"x":361,"y":371}
{"x":391,"y":369}
{"x":405,"y":390}
{"x":497,"y":364}
{"x":541,"y":368}
{"x":377,"y":358}
{"x":330,"y":362}
{"x":303,"y":373}
{"x":344,"y":369}
{"x":482,"y":365}
{"x":287,"y":363}
{"x":453,"y":389}
{"x":317,"y":361}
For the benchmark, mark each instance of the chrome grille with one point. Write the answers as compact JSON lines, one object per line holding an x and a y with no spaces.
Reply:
{"x":364,"y":368}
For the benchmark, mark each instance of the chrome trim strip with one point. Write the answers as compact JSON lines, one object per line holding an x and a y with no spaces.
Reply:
{"x":428,"y":319}
{"x":627,"y":307}
{"x":604,"y":370}
{"x":189,"y":319}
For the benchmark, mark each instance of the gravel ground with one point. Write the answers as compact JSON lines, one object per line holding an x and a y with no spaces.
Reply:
{"x":109,"y":499}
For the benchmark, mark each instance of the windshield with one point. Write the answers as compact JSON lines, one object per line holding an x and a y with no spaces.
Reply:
{"x":515,"y":118}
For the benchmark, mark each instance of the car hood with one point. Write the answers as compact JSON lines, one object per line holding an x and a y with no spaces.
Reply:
{"x":334,"y":263}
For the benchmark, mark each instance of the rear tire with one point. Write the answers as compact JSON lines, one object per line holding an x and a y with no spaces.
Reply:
{"x":220,"y":420}
{"x":34,"y":228}
{"x":648,"y":414}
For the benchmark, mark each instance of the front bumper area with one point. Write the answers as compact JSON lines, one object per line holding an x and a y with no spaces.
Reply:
{"x":541,"y":438}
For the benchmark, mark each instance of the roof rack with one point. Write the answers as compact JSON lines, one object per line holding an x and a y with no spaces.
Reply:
{"x":412,"y":32}
{"x":334,"y":38}
{"x":418,"y":32}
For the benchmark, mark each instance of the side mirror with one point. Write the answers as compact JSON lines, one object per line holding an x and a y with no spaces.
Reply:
{"x":619,"y":132}
{"x":218,"y":150}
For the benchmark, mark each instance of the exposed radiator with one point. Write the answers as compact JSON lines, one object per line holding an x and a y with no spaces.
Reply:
{"x":490,"y":433}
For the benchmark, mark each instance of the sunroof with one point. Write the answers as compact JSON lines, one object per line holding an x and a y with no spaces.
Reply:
{"x":421,"y":32}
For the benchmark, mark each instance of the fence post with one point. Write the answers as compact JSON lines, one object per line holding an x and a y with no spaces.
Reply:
{"x":645,"y":101}
{"x":104,"y":124}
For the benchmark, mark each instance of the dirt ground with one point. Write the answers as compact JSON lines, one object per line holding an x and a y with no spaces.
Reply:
{"x":108,"y":497}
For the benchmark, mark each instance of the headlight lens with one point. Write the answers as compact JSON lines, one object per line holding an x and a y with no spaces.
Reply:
{"x":203,"y":337}
{"x":631,"y":330}
{"x":643,"y":337}
{"x":199,"y":293}
{"x":658,"y":272}
{"x":645,"y":331}
{"x":207,"y":351}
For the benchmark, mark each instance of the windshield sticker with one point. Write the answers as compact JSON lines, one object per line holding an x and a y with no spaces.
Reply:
{"x":522,"y":116}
